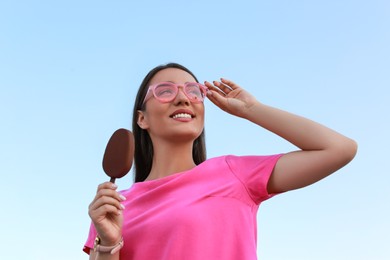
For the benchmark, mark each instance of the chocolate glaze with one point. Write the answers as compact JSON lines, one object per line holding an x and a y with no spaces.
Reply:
{"x":119,"y":153}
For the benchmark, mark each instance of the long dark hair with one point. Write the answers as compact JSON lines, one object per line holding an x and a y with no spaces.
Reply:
{"x":143,"y":153}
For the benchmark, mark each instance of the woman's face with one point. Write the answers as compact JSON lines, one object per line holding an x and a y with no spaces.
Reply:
{"x":176,"y":121}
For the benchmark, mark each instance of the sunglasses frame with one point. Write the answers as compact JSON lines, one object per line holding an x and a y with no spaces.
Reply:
{"x":153,"y":87}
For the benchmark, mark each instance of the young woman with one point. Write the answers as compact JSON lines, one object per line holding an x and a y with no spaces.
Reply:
{"x":183,"y":206}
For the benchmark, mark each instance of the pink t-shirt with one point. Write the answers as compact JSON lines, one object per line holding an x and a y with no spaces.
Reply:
{"x":208,"y":212}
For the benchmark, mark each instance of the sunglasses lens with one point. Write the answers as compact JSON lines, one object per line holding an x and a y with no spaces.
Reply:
{"x":194,"y":93}
{"x":165,"y":92}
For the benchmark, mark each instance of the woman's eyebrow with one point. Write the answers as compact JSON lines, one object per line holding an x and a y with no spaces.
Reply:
{"x":178,"y":83}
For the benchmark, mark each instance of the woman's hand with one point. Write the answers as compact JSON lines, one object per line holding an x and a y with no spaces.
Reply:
{"x":106,"y":213}
{"x":230,"y":97}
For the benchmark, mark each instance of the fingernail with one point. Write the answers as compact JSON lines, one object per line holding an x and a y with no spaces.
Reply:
{"x":122,"y":197}
{"x":114,"y":186}
{"x":122,"y":206}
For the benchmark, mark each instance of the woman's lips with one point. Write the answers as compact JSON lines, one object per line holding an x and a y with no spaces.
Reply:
{"x":182,"y":113}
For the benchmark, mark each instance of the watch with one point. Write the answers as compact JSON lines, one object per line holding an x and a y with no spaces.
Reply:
{"x":97,"y":247}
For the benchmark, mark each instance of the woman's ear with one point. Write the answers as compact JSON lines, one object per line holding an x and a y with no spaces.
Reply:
{"x":141,"y":120}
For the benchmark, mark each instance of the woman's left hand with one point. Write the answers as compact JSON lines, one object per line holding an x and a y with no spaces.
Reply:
{"x":230,"y":97}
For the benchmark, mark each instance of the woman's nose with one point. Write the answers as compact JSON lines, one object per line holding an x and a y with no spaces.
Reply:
{"x":181,"y":97}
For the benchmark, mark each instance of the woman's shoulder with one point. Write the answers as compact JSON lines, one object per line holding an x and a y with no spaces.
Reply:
{"x":241,"y":162}
{"x":217,"y":161}
{"x":233,"y":157}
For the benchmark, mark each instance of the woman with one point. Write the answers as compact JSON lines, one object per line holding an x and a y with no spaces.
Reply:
{"x":183,"y":206}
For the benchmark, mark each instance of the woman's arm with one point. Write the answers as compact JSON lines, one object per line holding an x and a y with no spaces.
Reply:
{"x":323,"y":151}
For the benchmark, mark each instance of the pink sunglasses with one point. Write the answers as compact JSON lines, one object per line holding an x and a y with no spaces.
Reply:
{"x":167,"y":91}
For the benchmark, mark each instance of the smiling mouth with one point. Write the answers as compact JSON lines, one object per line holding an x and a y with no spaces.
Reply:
{"x":182,"y":115}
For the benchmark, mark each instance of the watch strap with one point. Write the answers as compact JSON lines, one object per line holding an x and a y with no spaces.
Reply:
{"x":107,"y":249}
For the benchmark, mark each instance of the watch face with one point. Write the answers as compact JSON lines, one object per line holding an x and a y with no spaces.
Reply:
{"x":97,"y":242}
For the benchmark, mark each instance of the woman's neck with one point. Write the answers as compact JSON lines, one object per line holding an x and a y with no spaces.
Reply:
{"x":170,"y":158}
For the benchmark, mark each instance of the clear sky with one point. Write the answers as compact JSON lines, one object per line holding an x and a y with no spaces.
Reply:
{"x":69,"y":71}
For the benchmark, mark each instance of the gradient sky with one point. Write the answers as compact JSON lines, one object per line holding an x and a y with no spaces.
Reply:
{"x":69,"y":71}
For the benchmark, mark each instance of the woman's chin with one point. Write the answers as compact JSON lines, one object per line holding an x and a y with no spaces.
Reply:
{"x":183,"y":136}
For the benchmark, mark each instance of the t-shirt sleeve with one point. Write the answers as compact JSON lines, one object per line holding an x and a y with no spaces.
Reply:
{"x":254,"y":173}
{"x":90,"y":240}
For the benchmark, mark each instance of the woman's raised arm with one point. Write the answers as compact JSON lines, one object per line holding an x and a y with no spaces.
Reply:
{"x":322,"y":150}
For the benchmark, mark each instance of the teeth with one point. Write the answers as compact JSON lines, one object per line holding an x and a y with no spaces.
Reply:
{"x":182,"y":115}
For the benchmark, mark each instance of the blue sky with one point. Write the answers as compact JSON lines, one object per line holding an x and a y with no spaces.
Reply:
{"x":69,"y":71}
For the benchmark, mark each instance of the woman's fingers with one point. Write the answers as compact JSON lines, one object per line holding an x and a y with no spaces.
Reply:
{"x":107,"y":200}
{"x":230,"y":83}
{"x":217,"y":95}
{"x":104,"y":210}
{"x":214,"y":88}
{"x":107,"y":185}
{"x":223,"y":87}
{"x":110,"y":193}
{"x":108,"y":189}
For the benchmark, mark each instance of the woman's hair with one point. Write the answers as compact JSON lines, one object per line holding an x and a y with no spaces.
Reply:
{"x":143,"y":153}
